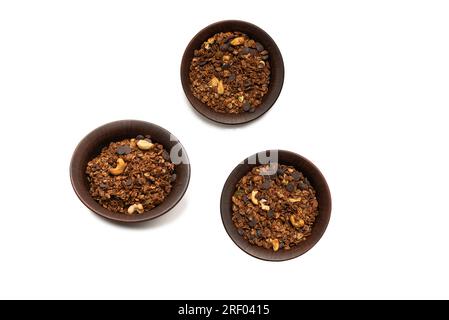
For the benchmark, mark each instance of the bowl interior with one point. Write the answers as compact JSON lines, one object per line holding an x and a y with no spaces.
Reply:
{"x":323,"y":196}
{"x":276,"y":63}
{"x":91,"y":146}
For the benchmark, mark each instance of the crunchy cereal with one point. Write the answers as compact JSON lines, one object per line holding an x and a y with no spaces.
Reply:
{"x":131,"y":176}
{"x":274,"y":211}
{"x":230,"y":73}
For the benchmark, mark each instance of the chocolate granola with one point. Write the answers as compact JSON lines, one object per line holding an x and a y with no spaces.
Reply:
{"x":230,"y":73}
{"x":131,"y":176}
{"x":274,"y":210}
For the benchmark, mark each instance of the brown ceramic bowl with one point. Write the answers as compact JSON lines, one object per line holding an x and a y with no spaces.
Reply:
{"x":91,"y":146}
{"x":323,"y":196}
{"x":276,"y":62}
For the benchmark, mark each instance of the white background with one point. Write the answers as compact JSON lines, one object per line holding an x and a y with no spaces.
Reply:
{"x":365,"y":98}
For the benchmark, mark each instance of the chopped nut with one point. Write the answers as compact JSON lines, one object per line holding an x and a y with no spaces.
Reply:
{"x":241,"y":98}
{"x":226,"y":58}
{"x":136,"y":207}
{"x":121,"y":165}
{"x":296,"y":223}
{"x":237,"y":41}
{"x":144,"y":145}
{"x":275,"y":244}
{"x":211,"y":40}
{"x":253,"y":197}
{"x":263,"y":206}
{"x":220,"y":88}
{"x":261,"y":64}
{"x":293,"y":200}
{"x":213,"y":82}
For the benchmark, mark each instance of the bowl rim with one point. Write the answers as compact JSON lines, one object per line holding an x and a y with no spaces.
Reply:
{"x":268,"y":255}
{"x":225,"y":118}
{"x":112,"y":215}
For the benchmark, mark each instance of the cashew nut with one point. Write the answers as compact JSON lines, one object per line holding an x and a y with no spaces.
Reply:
{"x":121,"y":165}
{"x":144,"y":145}
{"x":253,"y":197}
{"x":213,"y":82}
{"x":263,"y":206}
{"x":297,"y":223}
{"x":275,"y":244}
{"x":136,"y":207}
{"x":293,"y":200}
{"x":220,"y":88}
{"x":238,"y":41}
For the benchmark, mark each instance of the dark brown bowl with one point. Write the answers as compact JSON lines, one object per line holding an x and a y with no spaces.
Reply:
{"x":323,"y":196}
{"x":91,"y":146}
{"x":276,"y":62}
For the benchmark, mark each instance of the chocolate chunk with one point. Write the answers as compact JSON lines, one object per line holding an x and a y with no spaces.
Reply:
{"x":173,"y":177}
{"x":296,"y":175}
{"x":280,"y":171}
{"x":252,"y":223}
{"x":140,"y":137}
{"x":240,"y":231}
{"x":253,"y":51}
{"x":165,"y":155}
{"x":265,"y":185}
{"x":270,"y":214}
{"x":302,"y":186}
{"x":128,"y":182}
{"x":246,"y":107}
{"x":202,"y":63}
{"x":259,"y":47}
{"x":123,"y":150}
{"x":224,"y":47}
{"x":244,"y":51}
{"x":290,"y":187}
{"x":231,"y":77}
